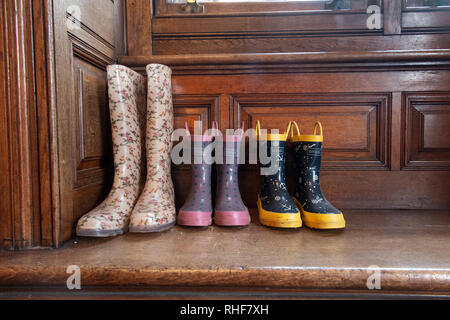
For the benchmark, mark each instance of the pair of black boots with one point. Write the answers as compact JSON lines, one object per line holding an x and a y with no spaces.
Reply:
{"x":308,"y":205}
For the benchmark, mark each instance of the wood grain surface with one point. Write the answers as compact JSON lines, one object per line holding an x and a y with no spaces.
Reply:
{"x":411,"y":248}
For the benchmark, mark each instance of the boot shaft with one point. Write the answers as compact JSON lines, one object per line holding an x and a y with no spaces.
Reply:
{"x":127,"y":94}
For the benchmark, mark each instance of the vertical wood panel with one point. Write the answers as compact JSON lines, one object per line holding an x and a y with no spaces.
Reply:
{"x":392,"y":17}
{"x":139,"y":32}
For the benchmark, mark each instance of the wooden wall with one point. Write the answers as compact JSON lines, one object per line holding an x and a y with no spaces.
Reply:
{"x":386,"y":127}
{"x":385,"y":112}
{"x":55,"y":146}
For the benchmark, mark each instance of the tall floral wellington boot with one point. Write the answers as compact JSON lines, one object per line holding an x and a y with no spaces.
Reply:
{"x":127,"y":93}
{"x":275,"y":205}
{"x":197,"y":209}
{"x":229,"y":209}
{"x":317,"y":212}
{"x":155,"y":209}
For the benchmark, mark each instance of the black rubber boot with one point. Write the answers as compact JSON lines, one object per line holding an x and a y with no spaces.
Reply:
{"x":317,"y":212}
{"x":275,"y":206}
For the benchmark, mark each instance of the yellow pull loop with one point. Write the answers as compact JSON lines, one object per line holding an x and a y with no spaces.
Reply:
{"x":258,"y":128}
{"x":286,"y":133}
{"x":318,"y":124}
{"x":292,"y":128}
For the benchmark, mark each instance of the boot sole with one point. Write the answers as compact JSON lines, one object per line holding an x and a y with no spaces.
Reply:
{"x":231,"y":218}
{"x":100,"y":233}
{"x":321,"y":220}
{"x":152,"y":228}
{"x":194,"y":218}
{"x":278,"y":220}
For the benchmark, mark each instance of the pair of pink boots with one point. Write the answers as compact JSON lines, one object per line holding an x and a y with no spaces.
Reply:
{"x":229,"y":210}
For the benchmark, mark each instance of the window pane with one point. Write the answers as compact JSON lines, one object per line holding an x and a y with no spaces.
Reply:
{"x":427,"y":3}
{"x":203,"y":1}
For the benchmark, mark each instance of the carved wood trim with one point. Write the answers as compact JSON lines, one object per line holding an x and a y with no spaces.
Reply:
{"x":417,"y":106}
{"x":295,"y":62}
{"x":27,"y":160}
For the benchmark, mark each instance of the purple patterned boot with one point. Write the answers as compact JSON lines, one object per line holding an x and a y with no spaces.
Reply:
{"x":229,"y":208}
{"x":197,"y":210}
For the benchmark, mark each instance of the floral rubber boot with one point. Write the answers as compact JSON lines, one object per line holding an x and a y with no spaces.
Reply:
{"x":127,"y":95}
{"x":155,"y":209}
{"x":229,"y":209}
{"x":197,"y":209}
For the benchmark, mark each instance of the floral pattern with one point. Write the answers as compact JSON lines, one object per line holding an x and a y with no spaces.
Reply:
{"x":155,"y":209}
{"x":127,"y":95}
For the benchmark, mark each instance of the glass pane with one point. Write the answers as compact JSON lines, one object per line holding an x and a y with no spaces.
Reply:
{"x":204,"y":1}
{"x":427,"y":3}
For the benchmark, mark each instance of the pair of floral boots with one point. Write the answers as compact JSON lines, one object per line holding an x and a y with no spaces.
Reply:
{"x":229,"y":209}
{"x":141,"y":114}
{"x":308,"y":205}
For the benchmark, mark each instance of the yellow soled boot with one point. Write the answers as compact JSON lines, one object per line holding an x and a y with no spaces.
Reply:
{"x":317,"y":212}
{"x":275,"y":206}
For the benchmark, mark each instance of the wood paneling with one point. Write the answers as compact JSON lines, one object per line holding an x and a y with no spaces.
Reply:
{"x":138,"y":26}
{"x":427,"y":136}
{"x":295,"y":43}
{"x":26,"y":157}
{"x":92,"y":139}
{"x":190,"y":108}
{"x":356,"y":125}
{"x":360,"y":105}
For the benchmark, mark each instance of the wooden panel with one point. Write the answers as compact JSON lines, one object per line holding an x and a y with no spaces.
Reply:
{"x":92,"y":141}
{"x":295,"y":43}
{"x":392,"y":16}
{"x":435,"y":20}
{"x":301,"y":23}
{"x":139,"y":32}
{"x":427,"y":135}
{"x":190,"y":108}
{"x":356,"y":125}
{"x":23,"y":136}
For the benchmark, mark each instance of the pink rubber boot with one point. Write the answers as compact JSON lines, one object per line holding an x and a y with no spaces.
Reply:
{"x":197,"y":210}
{"x":229,"y":208}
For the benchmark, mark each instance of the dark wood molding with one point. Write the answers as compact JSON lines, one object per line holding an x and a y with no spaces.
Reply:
{"x":28,"y":162}
{"x":295,"y":62}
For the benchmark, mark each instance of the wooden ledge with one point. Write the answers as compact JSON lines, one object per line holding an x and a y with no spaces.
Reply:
{"x":288,"y":58}
{"x":411,"y":248}
{"x":294,"y":62}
